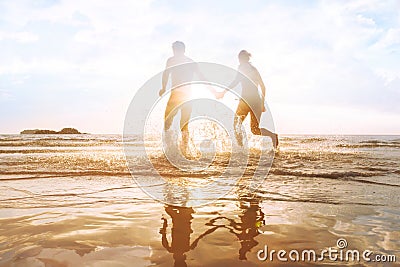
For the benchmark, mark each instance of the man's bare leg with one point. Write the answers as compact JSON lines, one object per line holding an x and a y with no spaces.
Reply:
{"x":170,"y":113}
{"x":238,"y":133}
{"x":185,"y":142}
{"x":186,"y":111}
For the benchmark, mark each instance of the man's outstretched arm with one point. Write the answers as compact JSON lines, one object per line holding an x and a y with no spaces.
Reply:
{"x":165,"y":78}
{"x":204,"y":79}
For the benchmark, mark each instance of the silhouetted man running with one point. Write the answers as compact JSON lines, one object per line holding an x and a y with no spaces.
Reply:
{"x":182,"y":75}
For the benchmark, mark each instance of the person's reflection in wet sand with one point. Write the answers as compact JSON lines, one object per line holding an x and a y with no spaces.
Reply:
{"x":180,"y":233}
{"x":247,"y":229}
{"x":251,"y":219}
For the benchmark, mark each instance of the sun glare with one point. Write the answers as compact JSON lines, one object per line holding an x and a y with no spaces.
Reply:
{"x":203,"y":91}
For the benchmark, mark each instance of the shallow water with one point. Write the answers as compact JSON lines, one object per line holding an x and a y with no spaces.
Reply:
{"x":71,"y":201}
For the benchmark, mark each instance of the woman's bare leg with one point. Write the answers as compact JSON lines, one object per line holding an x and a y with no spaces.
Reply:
{"x":255,"y":129}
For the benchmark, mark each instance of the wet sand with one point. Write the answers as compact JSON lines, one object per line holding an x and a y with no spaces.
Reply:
{"x":117,"y":229}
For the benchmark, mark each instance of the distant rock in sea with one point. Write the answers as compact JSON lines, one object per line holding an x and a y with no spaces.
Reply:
{"x":69,"y":131}
{"x":63,"y":131}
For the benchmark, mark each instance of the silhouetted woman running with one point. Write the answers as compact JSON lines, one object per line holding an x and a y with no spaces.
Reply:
{"x":251,"y":101}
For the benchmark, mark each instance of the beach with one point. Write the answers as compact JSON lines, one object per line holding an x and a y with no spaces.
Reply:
{"x":70,"y":200}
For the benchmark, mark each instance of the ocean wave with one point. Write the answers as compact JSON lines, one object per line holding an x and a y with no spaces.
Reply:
{"x":369,"y":145}
{"x":64,"y":140}
{"x":302,"y":139}
{"x":345,"y":175}
{"x":313,"y":140}
{"x":334,"y":174}
{"x":34,"y":151}
{"x":51,"y":174}
{"x":382,"y":141}
{"x":373,"y":141}
{"x":266,"y":196}
{"x":374,"y":169}
{"x":58,"y":143}
{"x":58,"y":149}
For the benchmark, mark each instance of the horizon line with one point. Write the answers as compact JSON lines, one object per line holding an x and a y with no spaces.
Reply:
{"x":327,"y":134}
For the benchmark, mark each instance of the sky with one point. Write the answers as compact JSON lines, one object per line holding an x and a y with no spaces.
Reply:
{"x":330,"y":67}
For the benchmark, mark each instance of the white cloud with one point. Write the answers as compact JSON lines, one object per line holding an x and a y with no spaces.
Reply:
{"x":5,"y":94}
{"x":389,"y":39}
{"x":366,"y":21}
{"x":36,"y":66}
{"x":21,"y":37}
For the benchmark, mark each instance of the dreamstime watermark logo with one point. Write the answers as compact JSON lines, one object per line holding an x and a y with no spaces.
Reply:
{"x":219,"y":155}
{"x":338,"y":253}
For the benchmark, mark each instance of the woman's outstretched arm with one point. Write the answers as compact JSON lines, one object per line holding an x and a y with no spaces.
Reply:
{"x":233,"y":84}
